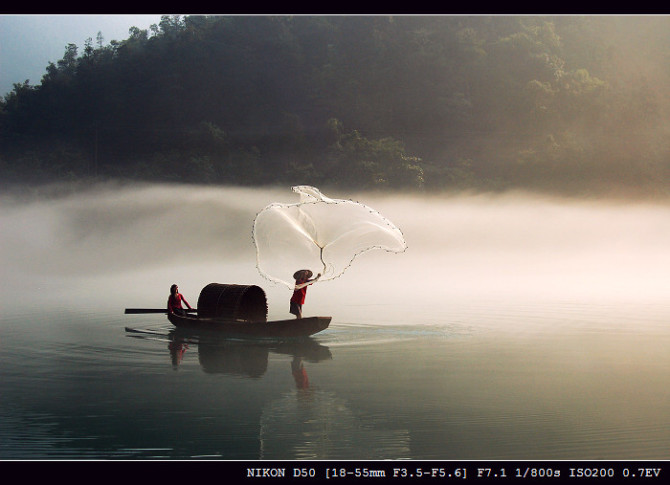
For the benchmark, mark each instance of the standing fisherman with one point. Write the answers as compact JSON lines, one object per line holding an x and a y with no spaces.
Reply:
{"x":302,"y":281}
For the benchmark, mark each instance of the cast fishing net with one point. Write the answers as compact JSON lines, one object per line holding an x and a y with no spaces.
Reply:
{"x":320,"y":234}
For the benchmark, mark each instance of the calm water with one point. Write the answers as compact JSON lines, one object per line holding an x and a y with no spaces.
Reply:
{"x":512,"y":328}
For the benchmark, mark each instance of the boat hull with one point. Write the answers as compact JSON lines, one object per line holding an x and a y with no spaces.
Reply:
{"x":295,"y":327}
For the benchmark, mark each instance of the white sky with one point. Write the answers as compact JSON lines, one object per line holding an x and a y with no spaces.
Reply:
{"x":29,"y":42}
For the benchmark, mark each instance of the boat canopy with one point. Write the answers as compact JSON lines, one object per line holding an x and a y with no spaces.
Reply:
{"x":237,"y":302}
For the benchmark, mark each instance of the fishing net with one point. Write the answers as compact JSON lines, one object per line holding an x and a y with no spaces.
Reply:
{"x":320,"y":234}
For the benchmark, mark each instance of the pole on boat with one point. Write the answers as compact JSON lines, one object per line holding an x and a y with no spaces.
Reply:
{"x":137,"y":311}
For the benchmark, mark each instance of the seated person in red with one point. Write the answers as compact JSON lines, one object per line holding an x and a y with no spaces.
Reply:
{"x":174,"y":301}
{"x":302,"y":281}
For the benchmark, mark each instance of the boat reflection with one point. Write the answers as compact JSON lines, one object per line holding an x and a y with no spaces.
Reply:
{"x":246,"y":358}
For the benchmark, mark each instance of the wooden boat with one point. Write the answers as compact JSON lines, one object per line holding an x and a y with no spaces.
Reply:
{"x":294,"y":327}
{"x":238,"y":310}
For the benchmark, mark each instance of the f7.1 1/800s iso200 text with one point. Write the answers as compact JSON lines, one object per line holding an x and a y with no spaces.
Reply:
{"x":477,"y":471}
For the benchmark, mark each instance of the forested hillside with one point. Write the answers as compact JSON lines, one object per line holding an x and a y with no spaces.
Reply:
{"x":565,"y":103}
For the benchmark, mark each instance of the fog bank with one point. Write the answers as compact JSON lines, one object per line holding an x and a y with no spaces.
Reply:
{"x":124,"y":246}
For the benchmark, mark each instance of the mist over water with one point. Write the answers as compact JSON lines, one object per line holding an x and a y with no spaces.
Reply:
{"x":127,"y":244}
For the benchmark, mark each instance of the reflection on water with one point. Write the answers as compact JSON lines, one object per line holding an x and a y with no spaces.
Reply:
{"x":245,"y":358}
{"x":177,"y":348}
{"x":305,"y":423}
{"x":316,"y":424}
{"x":299,"y":373}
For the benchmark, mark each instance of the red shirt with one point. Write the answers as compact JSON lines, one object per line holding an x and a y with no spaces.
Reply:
{"x":175,"y":302}
{"x":299,"y":295}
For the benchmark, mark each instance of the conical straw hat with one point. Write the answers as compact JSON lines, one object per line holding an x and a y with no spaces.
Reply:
{"x":303,"y":273}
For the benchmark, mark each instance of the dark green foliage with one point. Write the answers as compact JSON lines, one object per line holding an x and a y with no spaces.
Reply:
{"x":366,"y":102}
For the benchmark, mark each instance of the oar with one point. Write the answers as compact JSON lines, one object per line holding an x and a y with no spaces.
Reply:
{"x":135,"y":311}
